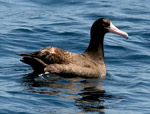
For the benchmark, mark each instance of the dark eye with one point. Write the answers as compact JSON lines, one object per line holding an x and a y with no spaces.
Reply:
{"x":105,"y":24}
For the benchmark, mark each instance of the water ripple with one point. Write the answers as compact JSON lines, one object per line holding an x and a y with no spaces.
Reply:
{"x":30,"y":25}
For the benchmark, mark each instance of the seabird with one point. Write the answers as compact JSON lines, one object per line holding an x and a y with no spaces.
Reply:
{"x":90,"y":64}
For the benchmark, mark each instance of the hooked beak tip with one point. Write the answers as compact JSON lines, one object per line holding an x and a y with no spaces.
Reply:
{"x":126,"y":35}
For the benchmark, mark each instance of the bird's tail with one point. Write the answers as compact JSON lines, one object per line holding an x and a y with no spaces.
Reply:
{"x":37,"y":64}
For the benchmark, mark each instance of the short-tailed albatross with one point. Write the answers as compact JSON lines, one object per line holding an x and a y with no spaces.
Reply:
{"x":89,"y":64}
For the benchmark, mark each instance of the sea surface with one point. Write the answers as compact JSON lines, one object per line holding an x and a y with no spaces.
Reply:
{"x":30,"y":25}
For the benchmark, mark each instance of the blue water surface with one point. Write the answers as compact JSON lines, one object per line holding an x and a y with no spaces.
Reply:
{"x":30,"y":25}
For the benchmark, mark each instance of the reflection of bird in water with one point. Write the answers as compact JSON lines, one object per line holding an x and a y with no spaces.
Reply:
{"x":86,"y":93}
{"x":91,"y":100}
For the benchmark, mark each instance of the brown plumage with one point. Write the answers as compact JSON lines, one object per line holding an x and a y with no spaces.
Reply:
{"x":89,"y":64}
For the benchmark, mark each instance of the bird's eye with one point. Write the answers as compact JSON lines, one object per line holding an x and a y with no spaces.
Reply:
{"x":105,"y":24}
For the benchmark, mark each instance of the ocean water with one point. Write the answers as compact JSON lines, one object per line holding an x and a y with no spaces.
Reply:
{"x":30,"y":25}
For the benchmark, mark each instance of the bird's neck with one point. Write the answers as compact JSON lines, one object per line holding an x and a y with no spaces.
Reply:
{"x":95,"y":48}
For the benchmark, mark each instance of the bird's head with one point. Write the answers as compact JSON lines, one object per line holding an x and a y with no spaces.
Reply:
{"x":104,"y":25}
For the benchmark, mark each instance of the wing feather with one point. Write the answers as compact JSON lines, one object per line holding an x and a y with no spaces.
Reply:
{"x":51,"y":55}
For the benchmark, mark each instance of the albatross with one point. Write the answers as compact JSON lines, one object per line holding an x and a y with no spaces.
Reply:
{"x":90,"y":64}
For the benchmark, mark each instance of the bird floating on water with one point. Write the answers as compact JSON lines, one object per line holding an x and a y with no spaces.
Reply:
{"x":89,"y":64}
